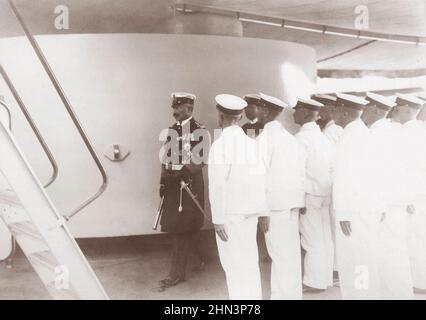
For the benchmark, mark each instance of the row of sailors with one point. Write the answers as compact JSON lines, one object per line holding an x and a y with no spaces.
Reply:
{"x":350,"y":189}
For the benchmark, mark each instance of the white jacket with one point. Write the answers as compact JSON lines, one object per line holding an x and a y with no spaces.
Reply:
{"x":333,"y":132}
{"x":319,"y":159}
{"x":382,"y":160}
{"x":285,"y":167}
{"x":415,"y":143}
{"x":236,"y":176}
{"x":409,"y":154}
{"x":352,"y":192}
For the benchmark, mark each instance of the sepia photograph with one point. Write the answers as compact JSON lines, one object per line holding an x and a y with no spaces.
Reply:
{"x":212,"y":150}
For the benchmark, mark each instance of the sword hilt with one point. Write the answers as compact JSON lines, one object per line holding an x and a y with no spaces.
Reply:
{"x":184,"y":185}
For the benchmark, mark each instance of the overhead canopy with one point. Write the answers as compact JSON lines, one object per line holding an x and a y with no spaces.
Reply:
{"x":337,"y":55}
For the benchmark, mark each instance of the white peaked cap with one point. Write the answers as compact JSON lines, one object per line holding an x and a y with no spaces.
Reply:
{"x":406,"y":99}
{"x":230,"y":104}
{"x":272,"y":101}
{"x":380,"y":100}
{"x":308,"y":103}
{"x":183,"y":95}
{"x":352,"y":101}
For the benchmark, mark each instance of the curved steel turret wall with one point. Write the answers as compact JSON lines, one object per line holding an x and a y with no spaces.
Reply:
{"x":120,"y":85}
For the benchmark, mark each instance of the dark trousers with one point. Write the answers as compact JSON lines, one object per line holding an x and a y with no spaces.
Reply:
{"x":183,"y":244}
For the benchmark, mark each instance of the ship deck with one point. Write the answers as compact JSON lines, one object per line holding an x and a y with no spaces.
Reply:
{"x":130,"y":267}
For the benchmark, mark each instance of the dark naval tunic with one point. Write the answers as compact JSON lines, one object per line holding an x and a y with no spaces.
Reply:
{"x":252,"y":129}
{"x":181,"y":142}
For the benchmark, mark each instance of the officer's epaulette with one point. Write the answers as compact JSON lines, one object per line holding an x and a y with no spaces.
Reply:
{"x":199,"y":125}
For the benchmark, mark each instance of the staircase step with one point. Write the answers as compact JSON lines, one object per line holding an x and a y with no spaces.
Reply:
{"x":47,"y":250}
{"x":13,"y":214}
{"x":27,"y":229}
{"x":44,"y":258}
{"x":9,"y":197}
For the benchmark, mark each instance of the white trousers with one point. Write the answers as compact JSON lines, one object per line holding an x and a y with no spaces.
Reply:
{"x":283,"y":243}
{"x":357,"y":257}
{"x":334,"y":226}
{"x":417,"y":244}
{"x":239,"y":258}
{"x":316,"y":238}
{"x":394,"y":262}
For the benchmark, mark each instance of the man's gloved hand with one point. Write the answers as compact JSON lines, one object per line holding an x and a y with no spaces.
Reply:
{"x":221,"y":232}
{"x":162,"y":190}
{"x":346,"y":228}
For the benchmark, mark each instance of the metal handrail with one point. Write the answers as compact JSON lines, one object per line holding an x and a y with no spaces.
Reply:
{"x":9,"y":115}
{"x":32,"y":125}
{"x":70,"y":111}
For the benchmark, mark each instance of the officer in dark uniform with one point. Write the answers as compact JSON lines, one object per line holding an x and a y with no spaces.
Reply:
{"x":181,"y":217}
{"x":252,"y":127}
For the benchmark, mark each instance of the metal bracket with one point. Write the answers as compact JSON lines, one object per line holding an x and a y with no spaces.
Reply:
{"x":116,"y":152}
{"x":58,"y":223}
